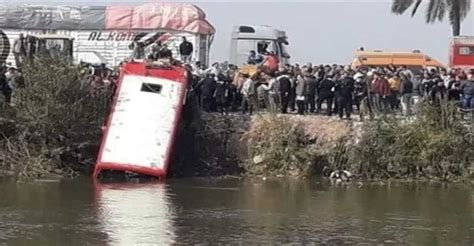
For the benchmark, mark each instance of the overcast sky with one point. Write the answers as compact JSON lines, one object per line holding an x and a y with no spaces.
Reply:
{"x":320,"y":31}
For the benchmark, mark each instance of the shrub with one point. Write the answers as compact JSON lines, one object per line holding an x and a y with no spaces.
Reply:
{"x":54,"y":112}
{"x":279,"y":146}
{"x":436,"y":144}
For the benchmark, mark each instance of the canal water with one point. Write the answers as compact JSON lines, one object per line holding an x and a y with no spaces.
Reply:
{"x":234,"y":212}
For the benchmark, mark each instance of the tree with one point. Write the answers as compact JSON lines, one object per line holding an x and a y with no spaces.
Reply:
{"x":457,"y":10}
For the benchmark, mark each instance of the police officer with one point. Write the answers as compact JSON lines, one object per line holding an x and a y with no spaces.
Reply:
{"x":208,"y":88}
{"x":312,"y":86}
{"x":326,"y":93}
{"x":343,"y":93}
{"x":285,"y":90}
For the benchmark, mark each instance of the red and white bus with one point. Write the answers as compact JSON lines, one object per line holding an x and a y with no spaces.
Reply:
{"x":140,"y":132}
{"x":461,"y":54}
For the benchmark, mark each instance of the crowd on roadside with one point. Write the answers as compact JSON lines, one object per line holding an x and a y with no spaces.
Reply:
{"x":329,"y":89}
{"x":285,"y":88}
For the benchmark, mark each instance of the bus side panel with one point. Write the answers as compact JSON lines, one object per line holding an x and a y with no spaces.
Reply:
{"x":142,"y":127}
{"x":459,"y":60}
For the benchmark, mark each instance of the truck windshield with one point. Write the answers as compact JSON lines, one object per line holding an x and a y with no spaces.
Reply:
{"x":283,"y":49}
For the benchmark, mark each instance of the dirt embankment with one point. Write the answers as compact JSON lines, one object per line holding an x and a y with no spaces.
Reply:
{"x":217,"y":145}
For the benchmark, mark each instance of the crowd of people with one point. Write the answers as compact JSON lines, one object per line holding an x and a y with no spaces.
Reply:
{"x":307,"y":89}
{"x":329,"y":89}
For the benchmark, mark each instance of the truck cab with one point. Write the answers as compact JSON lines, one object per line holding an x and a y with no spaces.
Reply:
{"x":461,"y":53}
{"x":261,"y":39}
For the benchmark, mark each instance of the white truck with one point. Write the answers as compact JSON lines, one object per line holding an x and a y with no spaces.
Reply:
{"x":106,"y":34}
{"x":258,"y":38}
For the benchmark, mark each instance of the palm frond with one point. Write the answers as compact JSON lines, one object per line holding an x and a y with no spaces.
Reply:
{"x":464,"y":8}
{"x":415,"y":8}
{"x":400,"y":6}
{"x":436,"y":11}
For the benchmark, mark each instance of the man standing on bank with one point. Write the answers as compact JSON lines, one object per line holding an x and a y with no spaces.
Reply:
{"x":186,"y":50}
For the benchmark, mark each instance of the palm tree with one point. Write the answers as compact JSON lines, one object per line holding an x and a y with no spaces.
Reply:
{"x":457,"y":10}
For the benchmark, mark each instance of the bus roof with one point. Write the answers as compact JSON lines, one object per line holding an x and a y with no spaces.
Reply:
{"x":464,"y":40}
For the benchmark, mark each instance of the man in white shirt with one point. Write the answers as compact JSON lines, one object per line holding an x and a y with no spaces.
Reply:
{"x":273,"y":93}
{"x":248,"y":93}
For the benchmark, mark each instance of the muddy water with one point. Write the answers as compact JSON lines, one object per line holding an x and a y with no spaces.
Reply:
{"x":236,"y":212}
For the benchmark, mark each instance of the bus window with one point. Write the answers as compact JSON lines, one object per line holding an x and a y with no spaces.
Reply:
{"x":466,"y":50}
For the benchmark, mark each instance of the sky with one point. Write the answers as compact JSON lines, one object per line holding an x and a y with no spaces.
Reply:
{"x":322,"y":31}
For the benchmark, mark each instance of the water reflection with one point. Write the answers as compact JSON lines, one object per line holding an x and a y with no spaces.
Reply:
{"x":135,"y":214}
{"x":234,"y":212}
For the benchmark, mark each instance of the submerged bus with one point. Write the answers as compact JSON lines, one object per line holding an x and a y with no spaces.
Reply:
{"x":140,"y":132}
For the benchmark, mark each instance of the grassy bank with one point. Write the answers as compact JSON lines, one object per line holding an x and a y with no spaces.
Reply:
{"x":434,"y":145}
{"x":285,"y":145}
{"x":54,"y":125}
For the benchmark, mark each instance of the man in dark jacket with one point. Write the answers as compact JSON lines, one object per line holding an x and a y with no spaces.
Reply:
{"x":312,"y":87}
{"x":285,"y":89}
{"x":326,"y":93}
{"x":417,"y":89}
{"x":165,"y":53}
{"x":406,"y":94}
{"x":467,"y":90}
{"x":221,"y":95}
{"x":4,"y":87}
{"x":343,"y":93}
{"x":186,"y":50}
{"x":454,"y":88}
{"x":292,"y":100}
{"x":438,"y":91}
{"x":208,"y":88}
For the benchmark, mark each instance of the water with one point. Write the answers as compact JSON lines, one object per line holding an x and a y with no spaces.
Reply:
{"x":235,"y":212}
